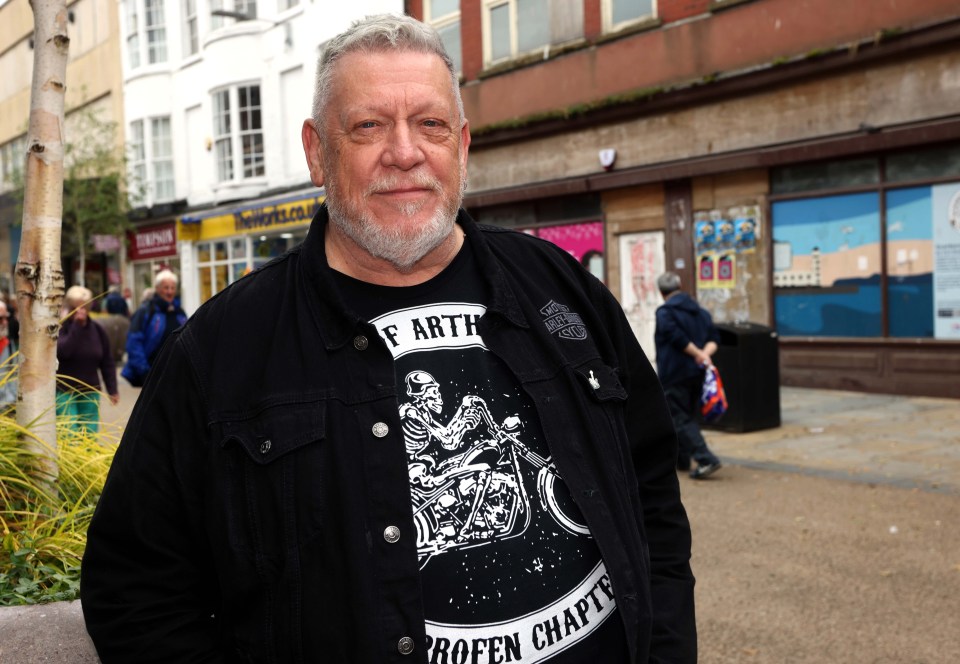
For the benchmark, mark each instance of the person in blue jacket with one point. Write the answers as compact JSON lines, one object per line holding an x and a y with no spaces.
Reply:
{"x":153,"y":322}
{"x":685,"y":339}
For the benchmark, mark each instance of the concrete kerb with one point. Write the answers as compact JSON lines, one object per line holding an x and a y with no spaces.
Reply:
{"x":52,"y":633}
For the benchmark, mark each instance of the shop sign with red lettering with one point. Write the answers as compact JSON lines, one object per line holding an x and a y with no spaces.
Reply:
{"x":153,"y":242}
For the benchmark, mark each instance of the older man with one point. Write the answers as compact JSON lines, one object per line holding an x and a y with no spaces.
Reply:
{"x":263,"y":506}
{"x":153,"y":322}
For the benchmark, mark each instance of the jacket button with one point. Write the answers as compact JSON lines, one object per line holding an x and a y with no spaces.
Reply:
{"x":405,"y":645}
{"x":391,"y":534}
{"x":380,"y":429}
{"x":265,"y":446}
{"x":360,"y":342}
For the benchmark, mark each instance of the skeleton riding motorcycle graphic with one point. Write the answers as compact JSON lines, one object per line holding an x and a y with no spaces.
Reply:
{"x":465,"y":475}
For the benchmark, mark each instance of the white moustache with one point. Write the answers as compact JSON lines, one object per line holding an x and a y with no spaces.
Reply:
{"x":394,"y":182}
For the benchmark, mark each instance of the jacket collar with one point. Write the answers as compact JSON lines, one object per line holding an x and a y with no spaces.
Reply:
{"x":335,"y":319}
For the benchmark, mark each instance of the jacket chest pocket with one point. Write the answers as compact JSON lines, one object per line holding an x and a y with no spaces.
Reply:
{"x":271,"y":471}
{"x":603,"y":402}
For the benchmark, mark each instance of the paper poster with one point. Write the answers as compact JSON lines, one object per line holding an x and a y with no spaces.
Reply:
{"x":946,"y":260}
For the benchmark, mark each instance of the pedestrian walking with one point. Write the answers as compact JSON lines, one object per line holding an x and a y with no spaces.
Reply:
{"x":84,"y":357}
{"x":152,"y":323}
{"x":412,"y":438}
{"x":686,"y":340}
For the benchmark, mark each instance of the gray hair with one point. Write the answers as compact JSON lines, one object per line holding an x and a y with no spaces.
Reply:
{"x":379,"y":34}
{"x":668,"y":282}
{"x":165,"y":275}
{"x":77,"y":296}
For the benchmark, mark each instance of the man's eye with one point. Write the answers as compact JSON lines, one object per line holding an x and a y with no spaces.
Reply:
{"x":369,"y":124}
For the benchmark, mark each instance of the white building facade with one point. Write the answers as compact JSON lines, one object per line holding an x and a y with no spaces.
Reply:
{"x":215,"y":93}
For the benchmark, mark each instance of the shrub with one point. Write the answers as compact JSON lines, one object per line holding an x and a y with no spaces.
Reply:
{"x":44,"y":525}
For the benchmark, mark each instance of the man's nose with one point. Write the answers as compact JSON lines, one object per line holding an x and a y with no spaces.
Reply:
{"x":402,"y":149}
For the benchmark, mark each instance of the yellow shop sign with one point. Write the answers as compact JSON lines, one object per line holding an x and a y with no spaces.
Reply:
{"x":254,"y":217}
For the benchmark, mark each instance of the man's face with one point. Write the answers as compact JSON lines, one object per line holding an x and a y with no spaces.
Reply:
{"x":167,"y":290}
{"x":392,"y":154}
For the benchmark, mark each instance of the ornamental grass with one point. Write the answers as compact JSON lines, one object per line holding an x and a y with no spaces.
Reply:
{"x":44,"y":524}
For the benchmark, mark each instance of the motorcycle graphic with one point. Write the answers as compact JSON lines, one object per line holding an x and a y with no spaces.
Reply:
{"x":478,"y":496}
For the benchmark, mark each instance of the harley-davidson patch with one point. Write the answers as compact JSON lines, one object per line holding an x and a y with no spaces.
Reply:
{"x":562,"y":322}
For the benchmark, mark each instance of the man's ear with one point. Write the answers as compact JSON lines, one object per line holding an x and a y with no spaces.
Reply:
{"x":312,"y":149}
{"x":464,"y":147}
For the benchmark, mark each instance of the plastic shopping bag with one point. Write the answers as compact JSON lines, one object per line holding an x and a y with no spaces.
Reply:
{"x":713,"y":400}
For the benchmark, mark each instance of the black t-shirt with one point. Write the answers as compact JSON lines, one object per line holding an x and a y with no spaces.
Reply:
{"x":509,"y":570}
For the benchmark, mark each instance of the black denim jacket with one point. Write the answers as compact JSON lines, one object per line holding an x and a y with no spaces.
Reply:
{"x":243,"y":518}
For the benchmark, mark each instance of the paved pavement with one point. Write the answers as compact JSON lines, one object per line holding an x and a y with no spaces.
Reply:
{"x":830,"y":538}
{"x":902,"y":441}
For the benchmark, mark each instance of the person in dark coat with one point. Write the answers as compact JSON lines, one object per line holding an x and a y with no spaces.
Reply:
{"x":116,"y":304}
{"x":152,"y":323}
{"x":84,"y":356}
{"x":685,"y":339}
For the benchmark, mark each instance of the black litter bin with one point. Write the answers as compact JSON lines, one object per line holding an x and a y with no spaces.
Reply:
{"x":748,"y":361}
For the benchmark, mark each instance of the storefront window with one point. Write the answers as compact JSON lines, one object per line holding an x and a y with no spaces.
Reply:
{"x":825,"y":175}
{"x":267,"y":247}
{"x":923,"y":261}
{"x":828,"y":276}
{"x":827,"y":266}
{"x":220,"y":264}
{"x":936,"y":162}
{"x":910,"y":262}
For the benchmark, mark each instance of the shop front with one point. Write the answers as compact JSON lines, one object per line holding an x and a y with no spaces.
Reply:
{"x":151,"y":248}
{"x":866,"y":271}
{"x":222,"y":245}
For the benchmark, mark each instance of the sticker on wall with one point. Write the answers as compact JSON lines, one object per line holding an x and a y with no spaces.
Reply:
{"x":726,"y":271}
{"x":706,"y":272}
{"x":745,"y":235}
{"x":706,"y":241}
{"x":725,"y":235}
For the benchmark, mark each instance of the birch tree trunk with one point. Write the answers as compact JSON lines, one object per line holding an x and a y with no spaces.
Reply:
{"x":82,"y":259}
{"x":38,"y":274}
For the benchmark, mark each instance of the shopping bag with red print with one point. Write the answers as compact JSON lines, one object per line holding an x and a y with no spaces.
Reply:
{"x":713,"y":400}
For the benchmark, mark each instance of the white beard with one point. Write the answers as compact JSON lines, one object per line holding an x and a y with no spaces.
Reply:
{"x":400,"y":247}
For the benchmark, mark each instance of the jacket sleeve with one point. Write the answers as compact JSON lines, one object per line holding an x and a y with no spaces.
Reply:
{"x":148,"y":589}
{"x":674,"y":334}
{"x":654,"y":456}
{"x":107,"y":367}
{"x":136,"y":340}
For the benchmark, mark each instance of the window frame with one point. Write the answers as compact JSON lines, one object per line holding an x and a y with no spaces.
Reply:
{"x":145,"y":33}
{"x":161,"y":158}
{"x":191,"y":28}
{"x":882,"y":187}
{"x":211,"y":265}
{"x":443,"y":22}
{"x":155,"y":32}
{"x":606,"y":9}
{"x":132,"y":39}
{"x":148,"y":154}
{"x":487,"y":9}
{"x":233,"y":162}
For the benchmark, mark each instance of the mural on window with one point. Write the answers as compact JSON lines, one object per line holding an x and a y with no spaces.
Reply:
{"x":827,"y":266}
{"x":910,"y":262}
